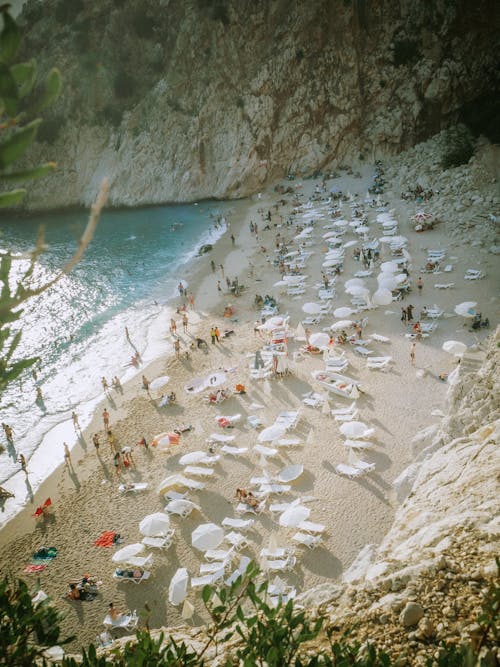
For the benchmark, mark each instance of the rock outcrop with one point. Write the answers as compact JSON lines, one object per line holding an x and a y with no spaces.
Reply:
{"x":177,"y":101}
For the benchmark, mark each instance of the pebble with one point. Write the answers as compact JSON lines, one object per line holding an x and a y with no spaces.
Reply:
{"x":411,"y":614}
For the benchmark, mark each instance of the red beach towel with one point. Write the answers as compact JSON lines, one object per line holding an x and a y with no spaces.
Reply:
{"x":106,"y":539}
{"x":30,"y":569}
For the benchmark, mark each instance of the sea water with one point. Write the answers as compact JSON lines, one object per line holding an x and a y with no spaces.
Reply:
{"x":126,"y":278}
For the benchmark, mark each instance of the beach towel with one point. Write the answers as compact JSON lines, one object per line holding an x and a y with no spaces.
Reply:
{"x":45,"y":554}
{"x":108,"y":539}
{"x":30,"y":569}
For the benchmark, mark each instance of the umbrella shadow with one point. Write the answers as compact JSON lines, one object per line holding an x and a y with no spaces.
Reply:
{"x":365,"y":482}
{"x":380,"y":425}
{"x":327,"y":567}
{"x":304,"y":483}
{"x":381,"y":460}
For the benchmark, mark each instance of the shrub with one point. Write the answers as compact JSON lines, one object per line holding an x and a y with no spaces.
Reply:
{"x":219,"y":13}
{"x":124,"y":84}
{"x":143,"y":24}
{"x":112,"y":115}
{"x":459,"y":148}
{"x":482,"y":116}
{"x":67,"y":9}
{"x":50,"y":128}
{"x":406,"y":52}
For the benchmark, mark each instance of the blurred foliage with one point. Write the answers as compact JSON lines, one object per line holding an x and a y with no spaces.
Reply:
{"x":459,"y":147}
{"x":482,"y":116}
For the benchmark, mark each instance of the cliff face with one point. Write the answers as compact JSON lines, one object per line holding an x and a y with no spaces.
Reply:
{"x":176,"y":101}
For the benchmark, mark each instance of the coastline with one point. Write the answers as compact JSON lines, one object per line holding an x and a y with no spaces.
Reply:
{"x":356,"y":513}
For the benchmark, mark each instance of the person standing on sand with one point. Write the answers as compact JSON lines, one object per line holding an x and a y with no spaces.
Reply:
{"x":8,"y":432}
{"x":219,"y":288}
{"x":145,"y":383}
{"x":185,"y":322}
{"x":217,"y":334}
{"x":412,"y":354}
{"x":22,"y":461}
{"x":221,"y":269}
{"x":39,"y":395}
{"x":111,"y":440}
{"x":105,"y":385}
{"x":95,"y":440}
{"x":420,"y":284}
{"x":116,"y":383}
{"x":116,"y":463}
{"x":105,"y":418}
{"x":177,"y":348}
{"x":173,"y":326}
{"x":67,"y":455}
{"x":212,"y":335}
{"x":212,"y":264}
{"x":191,"y":300}
{"x":404,"y":314}
{"x":76,"y":425}
{"x":409,"y":313}
{"x":233,"y":239}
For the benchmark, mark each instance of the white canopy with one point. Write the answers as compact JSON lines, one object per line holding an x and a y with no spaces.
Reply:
{"x":341,"y":324}
{"x":294,"y":515}
{"x":155,"y":525}
{"x":124,"y":554}
{"x":177,"y":589}
{"x":207,"y":536}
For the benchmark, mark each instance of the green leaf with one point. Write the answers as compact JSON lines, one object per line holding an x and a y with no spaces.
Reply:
{"x":11,"y":198}
{"x":18,"y":143}
{"x":9,"y":92}
{"x":53,"y":86}
{"x":10,"y":38}
{"x":24,"y":75}
{"x":27,"y":174}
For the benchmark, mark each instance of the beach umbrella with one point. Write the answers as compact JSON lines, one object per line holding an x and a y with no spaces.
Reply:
{"x":207,"y":536}
{"x":353,"y":429}
{"x":300,"y":332}
{"x":319,"y":339}
{"x":332,"y":262}
{"x":273,"y":323}
{"x":195,"y":385}
{"x":388,"y":282}
{"x":343,"y":311}
{"x":154,"y":525}
{"x":354,"y":282}
{"x":216,"y":379}
{"x":357,"y":290}
{"x":311,"y":308}
{"x":39,"y":597}
{"x":291,"y":472}
{"x":159,"y":382}
{"x":389,"y":267}
{"x":181,"y":506}
{"x":177,"y":589}
{"x":271,"y":433}
{"x":354,"y":393}
{"x":400,"y":278}
{"x":454,"y":347}
{"x":168,"y":482}
{"x":466,"y":308}
{"x":340,"y":223}
{"x":382,"y":297}
{"x":294,"y":515}
{"x":362,"y":229}
{"x":187,"y":610}
{"x":341,"y":324}
{"x":126,"y":553}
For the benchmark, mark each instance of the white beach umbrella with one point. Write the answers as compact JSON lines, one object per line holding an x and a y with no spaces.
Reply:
{"x":353,"y":429}
{"x":294,"y":515}
{"x":273,"y":323}
{"x":466,"y":308}
{"x":159,"y":382}
{"x":332,"y":262}
{"x":340,"y":223}
{"x":362,"y":229}
{"x":349,"y":244}
{"x":280,"y":283}
{"x":192,"y":457}
{"x":354,"y":282}
{"x":187,"y":610}
{"x":180,"y":506}
{"x":124,"y":554}
{"x":39,"y":597}
{"x":300,"y":332}
{"x":155,"y":525}
{"x":311,"y":308}
{"x":400,"y":278}
{"x":170,"y":481}
{"x":291,"y":472}
{"x":271,"y":433}
{"x":389,"y":267}
{"x":454,"y":347}
{"x":357,"y":290}
{"x":319,"y":339}
{"x":382,"y":297}
{"x":195,"y":385}
{"x":343,"y":311}
{"x":207,"y":536}
{"x":177,"y":589}
{"x":341,"y":324}
{"x":388,"y":282}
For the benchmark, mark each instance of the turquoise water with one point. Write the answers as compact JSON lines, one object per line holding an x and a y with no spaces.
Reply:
{"x":126,"y":278}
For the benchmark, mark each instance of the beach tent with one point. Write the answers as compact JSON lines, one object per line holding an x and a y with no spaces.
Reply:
{"x":207,"y":536}
{"x":177,"y":589}
{"x":155,"y":525}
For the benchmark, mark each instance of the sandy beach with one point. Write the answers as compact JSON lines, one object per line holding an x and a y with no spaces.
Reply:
{"x":397,"y":402}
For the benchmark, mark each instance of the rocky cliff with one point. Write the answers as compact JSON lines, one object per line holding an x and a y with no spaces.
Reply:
{"x":180,"y":100}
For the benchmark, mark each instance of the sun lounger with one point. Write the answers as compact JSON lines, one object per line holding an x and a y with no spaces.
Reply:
{"x":126,"y":621}
{"x":232,"y":419}
{"x":181,"y":508}
{"x":379,"y":338}
{"x":265,"y":451}
{"x":240,"y":524}
{"x":313,"y":400}
{"x":159,"y":542}
{"x":472,"y":274}
{"x":289,"y":418}
{"x":132,"y":487}
{"x":358,"y":444}
{"x":268,"y":489}
{"x":280,"y":564}
{"x":444,"y":285}
{"x":288,"y":442}
{"x":306,"y":540}
{"x":237,"y":540}
{"x":214,"y":555}
{"x":348,"y":471}
{"x":205,"y":580}
{"x":175,"y":495}
{"x":378,"y":363}
{"x":364,"y":466}
{"x":350,"y":416}
{"x":136,"y":580}
{"x":345,"y":411}
{"x":243,"y":508}
{"x":220,"y":437}
{"x":240,"y":570}
{"x":434,"y":313}
{"x":316,"y":319}
{"x":254,"y":421}
{"x":448,"y":268}
{"x":198,"y":471}
{"x":279,"y":552}
{"x":211,"y":568}
{"x":362,"y":351}
{"x":233,"y":451}
{"x":311,"y":527}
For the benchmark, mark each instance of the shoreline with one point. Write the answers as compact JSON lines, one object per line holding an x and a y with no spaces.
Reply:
{"x":356,"y":513}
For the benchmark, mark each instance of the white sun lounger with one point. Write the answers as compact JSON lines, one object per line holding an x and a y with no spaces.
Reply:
{"x":358,"y":444}
{"x":199,"y":471}
{"x":207,"y":579}
{"x":175,"y":495}
{"x":243,"y":508}
{"x":348,"y":471}
{"x":280,"y":552}
{"x":254,"y":421}
{"x":240,"y":524}
{"x":311,"y":527}
{"x":133,"y":487}
{"x":473,"y":274}
{"x":306,"y":540}
{"x":268,"y":489}
{"x":220,"y":437}
{"x":379,"y":338}
{"x":280,"y":564}
{"x":288,"y":442}
{"x":347,"y":417}
{"x":363,"y":351}
{"x":237,"y":540}
{"x":211,"y":568}
{"x":233,"y":451}
{"x":265,"y":451}
{"x":345,"y":411}
{"x":126,"y":621}
{"x":444,"y":285}
{"x":240,"y":570}
{"x":136,"y":580}
{"x":378,"y":363}
{"x":159,"y":542}
{"x":289,"y":419}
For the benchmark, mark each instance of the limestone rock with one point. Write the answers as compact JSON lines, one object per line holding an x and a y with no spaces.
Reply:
{"x":411,"y":614}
